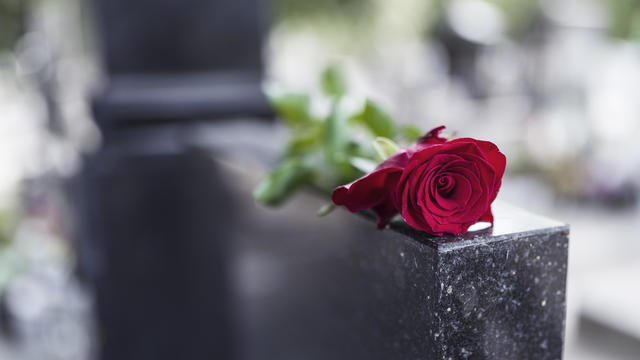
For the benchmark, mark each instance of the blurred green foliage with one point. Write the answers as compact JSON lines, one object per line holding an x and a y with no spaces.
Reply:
{"x":12,"y":13}
{"x":355,"y":15}
{"x":624,"y":15}
{"x":385,"y":147}
{"x":338,"y":10}
{"x":282,"y":181}
{"x":11,"y":261}
{"x":518,"y":14}
{"x":7,"y":224}
{"x":624,"y":18}
{"x":374,"y":118}
{"x":329,"y":149}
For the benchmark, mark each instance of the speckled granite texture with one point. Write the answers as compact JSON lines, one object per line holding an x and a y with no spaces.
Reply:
{"x":498,"y":293}
{"x":336,"y":288}
{"x":501,"y":295}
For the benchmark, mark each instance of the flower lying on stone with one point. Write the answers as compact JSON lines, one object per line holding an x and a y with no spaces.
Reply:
{"x":438,"y":186}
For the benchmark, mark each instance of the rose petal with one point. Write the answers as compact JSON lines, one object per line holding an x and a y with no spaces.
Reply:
{"x":433,"y":136}
{"x":438,"y":186}
{"x":446,"y":184}
{"x":374,"y":190}
{"x":397,"y":160}
{"x":458,"y":198}
{"x":414,"y":217}
{"x":491,"y":153}
{"x":384,"y":212}
{"x":430,"y":139}
{"x":467,"y":178}
{"x":494,"y":157}
{"x":487,"y":216}
{"x":475,"y":204}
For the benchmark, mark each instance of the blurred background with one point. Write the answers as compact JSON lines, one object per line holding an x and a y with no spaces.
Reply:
{"x":555,"y":83}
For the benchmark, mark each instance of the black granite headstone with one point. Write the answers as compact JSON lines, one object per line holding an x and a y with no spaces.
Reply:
{"x":337,"y":288}
{"x":178,"y":36}
{"x":185,"y":267}
{"x":188,"y":266}
{"x":499,"y":294}
{"x":179,"y":60}
{"x":154,"y":211}
{"x":156,"y":254}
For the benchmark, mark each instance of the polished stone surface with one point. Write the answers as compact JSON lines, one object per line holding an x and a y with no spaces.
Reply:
{"x":302,"y":287}
{"x":509,"y":220}
{"x":503,"y":297}
{"x":168,"y":36}
{"x":336,"y":288}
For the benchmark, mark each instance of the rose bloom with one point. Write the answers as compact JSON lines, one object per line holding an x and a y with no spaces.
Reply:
{"x":438,"y":186}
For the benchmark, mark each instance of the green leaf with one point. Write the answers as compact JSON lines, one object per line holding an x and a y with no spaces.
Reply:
{"x":293,"y":108}
{"x":364,"y":165}
{"x":326,"y":209}
{"x":333,"y":83}
{"x":335,"y":141}
{"x":304,"y":140}
{"x":282,"y":182}
{"x":385,"y":147}
{"x":326,"y":177}
{"x":411,"y":132}
{"x":336,"y":148}
{"x":376,"y":120}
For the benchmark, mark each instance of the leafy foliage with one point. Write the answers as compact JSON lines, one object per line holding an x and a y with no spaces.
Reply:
{"x":282,"y":181}
{"x":329,"y":149}
{"x":333,"y":83}
{"x":385,"y":147}
{"x":624,"y":18}
{"x":376,"y":120}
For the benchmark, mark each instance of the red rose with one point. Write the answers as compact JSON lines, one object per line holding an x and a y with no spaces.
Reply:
{"x":438,"y":186}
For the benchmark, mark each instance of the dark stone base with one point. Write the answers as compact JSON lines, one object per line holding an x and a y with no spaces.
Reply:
{"x":502,"y":296}
{"x":186,"y":265}
{"x":336,"y":288}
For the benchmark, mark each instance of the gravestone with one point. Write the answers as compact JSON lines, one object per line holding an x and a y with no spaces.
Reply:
{"x":191,"y":267}
{"x":337,"y":288}
{"x":178,"y":60}
{"x":153,"y":241}
{"x":186,"y":266}
{"x":499,"y":294}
